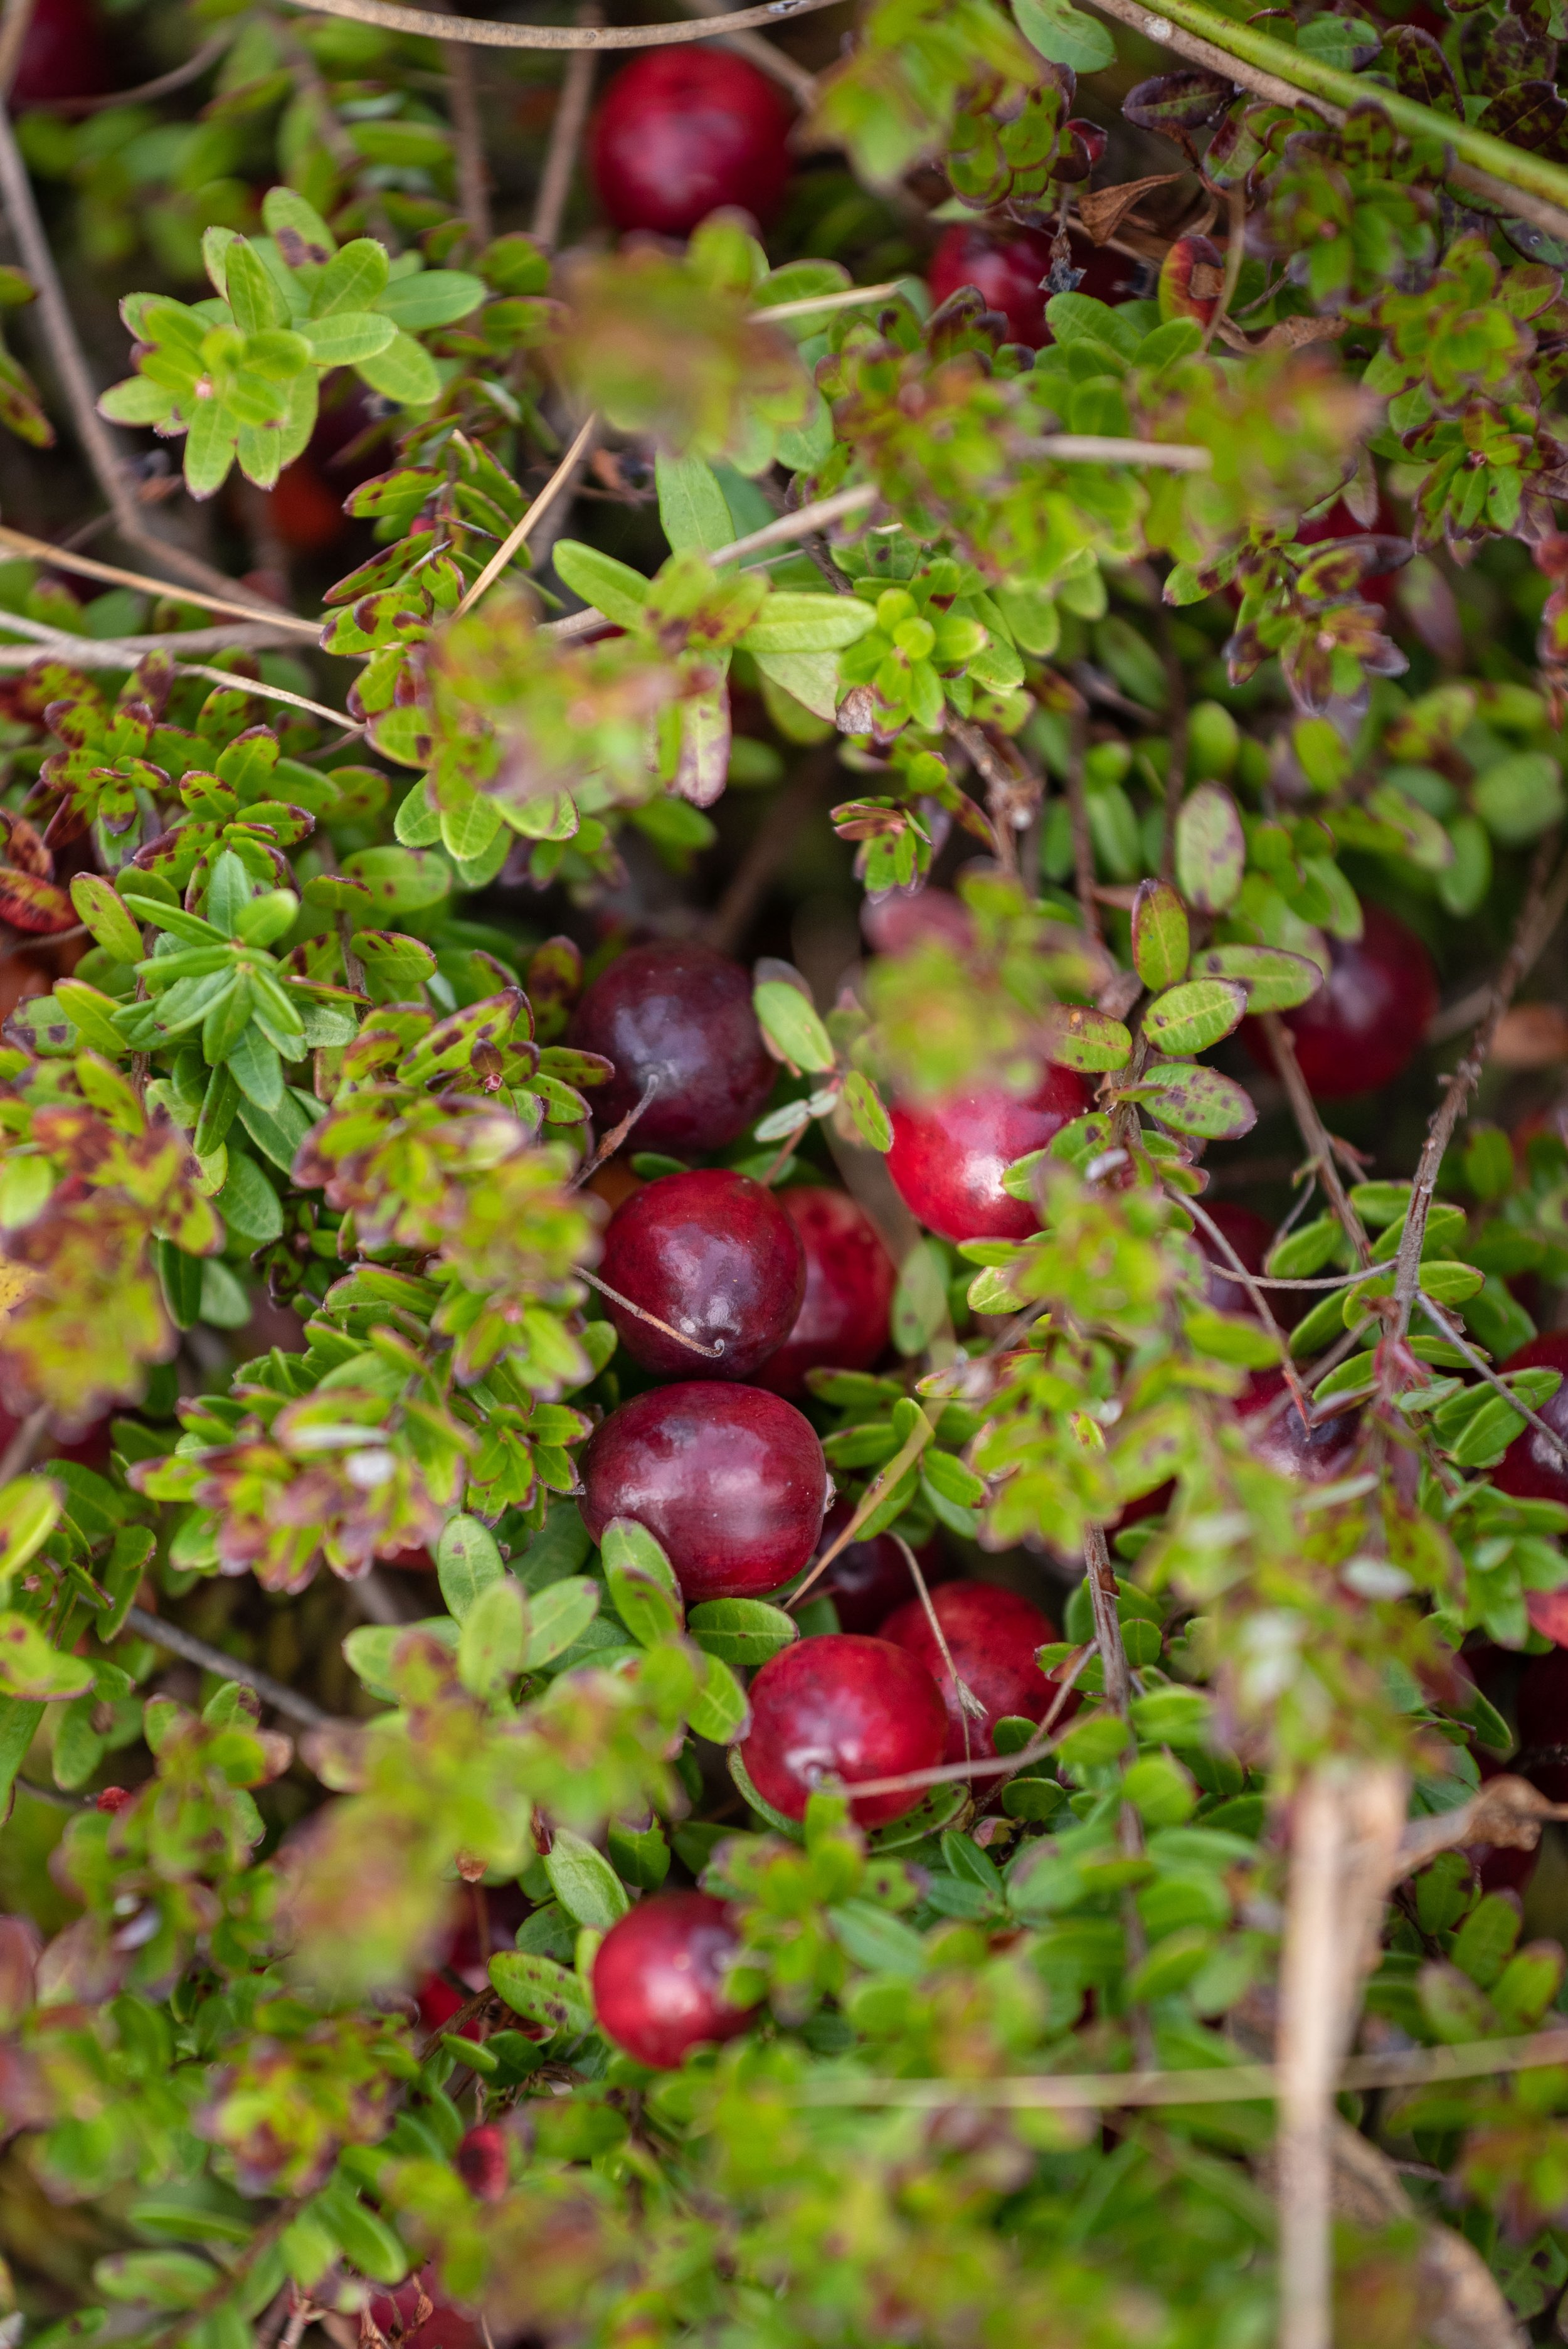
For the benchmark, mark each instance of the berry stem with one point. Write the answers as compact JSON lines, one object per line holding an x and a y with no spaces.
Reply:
{"x":653,"y":1320}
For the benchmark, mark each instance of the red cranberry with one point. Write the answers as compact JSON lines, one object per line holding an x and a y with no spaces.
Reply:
{"x":62,"y":55}
{"x":685,"y":131}
{"x":948,"y":1157}
{"x":480,"y":2162}
{"x":842,"y":1323}
{"x":396,"y":2315}
{"x":1316,"y":1455}
{"x":714,"y":1255}
{"x":843,"y":1708}
{"x":304,"y":511}
{"x":658,"y":1978}
{"x":868,"y":1578}
{"x":1530,"y":1469}
{"x":438,"y":2002}
{"x":898,"y":920}
{"x":1009,"y":271}
{"x":682,"y":1015}
{"x":993,"y":1636}
{"x":729,"y":1480}
{"x":1370,"y":1017}
{"x":411,"y":1561}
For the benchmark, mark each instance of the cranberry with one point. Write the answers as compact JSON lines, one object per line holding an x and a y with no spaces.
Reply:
{"x":62,"y":55}
{"x":900,"y":919}
{"x":658,"y":1978}
{"x":480,"y":2162}
{"x":685,"y":131}
{"x":1541,"y":1707}
{"x":729,"y":1480}
{"x":304,"y":511}
{"x":992,"y":1635}
{"x":1530,"y":1469}
{"x":1009,"y":271}
{"x":842,"y":1323}
{"x":439,"y":2001}
{"x":1368,"y":1019}
{"x":948,"y":1157}
{"x":713,"y":1254}
{"x":843,"y":1708}
{"x":681,"y":1015}
{"x":868,"y":1578}
{"x":1315,"y":1455}
{"x":395,"y":2316}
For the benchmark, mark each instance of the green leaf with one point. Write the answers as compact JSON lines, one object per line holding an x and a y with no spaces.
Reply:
{"x":1065,"y":35}
{"x":742,"y":1630}
{"x":348,"y":338}
{"x":1191,"y":1099}
{"x":208,"y":449}
{"x":29,"y":1512}
{"x":468,"y":1562}
{"x":790,"y":1021}
{"x":557,"y":1617}
{"x":303,"y":236}
{"x":1210,"y":849}
{"x":643,"y":1585}
{"x":1189,"y":1018}
{"x":355,"y":279}
{"x":692,"y":507}
{"x":403,"y":371}
{"x":542,"y":1992}
{"x":29,"y":1666}
{"x":494,"y":1638}
{"x":719,"y":1712}
{"x":1076,"y":1036}
{"x":863,"y":1103}
{"x":1274,"y":980}
{"x":1161,"y":940}
{"x":430,"y":298}
{"x":583,"y":1881}
{"x":1520,"y":796}
{"x":106,"y":915}
{"x":793,"y":621}
{"x":612,"y":588}
{"x":164,"y":2278}
{"x":252,"y":292}
{"x":877,"y":1941}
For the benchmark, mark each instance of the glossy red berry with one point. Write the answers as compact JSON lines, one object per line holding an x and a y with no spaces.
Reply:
{"x":730,"y":1481}
{"x":868,"y":1578}
{"x":714,"y":1255}
{"x":1368,"y":1019}
{"x":841,"y":1709}
{"x":680,"y":1016}
{"x":685,"y":131}
{"x":948,"y":1157}
{"x":842,"y":1322}
{"x":62,"y":55}
{"x":992,"y":1637}
{"x":1008,"y":271}
{"x":659,"y":1978}
{"x":480,"y":2162}
{"x":1531,"y":1469}
{"x":1282,"y":1440}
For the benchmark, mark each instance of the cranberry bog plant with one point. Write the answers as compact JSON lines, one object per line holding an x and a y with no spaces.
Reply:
{"x":784,"y":1189}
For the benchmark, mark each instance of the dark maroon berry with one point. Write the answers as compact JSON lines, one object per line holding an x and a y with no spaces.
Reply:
{"x":480,"y":2162}
{"x":1279,"y":1437}
{"x":659,"y":1978}
{"x":901,"y":919}
{"x":714,"y":1255}
{"x":1540,"y":1706}
{"x":992,"y":1637}
{"x":684,"y":132}
{"x":1370,"y":1017}
{"x":842,"y":1323}
{"x":62,"y":55}
{"x":948,"y":1157}
{"x":1531,"y":1469}
{"x":868,"y":1578}
{"x":841,"y":1709}
{"x":682,"y":1016}
{"x":730,"y":1481}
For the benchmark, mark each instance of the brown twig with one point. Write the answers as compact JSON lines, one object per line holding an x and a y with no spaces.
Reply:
{"x":801,"y":83}
{"x":23,"y":1448}
{"x":1259,"y":1301}
{"x":640,"y":1313}
{"x":1483,"y":1370}
{"x":1456,"y":1090}
{"x":1000,"y":788}
{"x":872,"y":1499}
{"x":163,"y":85}
{"x":227,"y":1668}
{"x":1314,"y":1132}
{"x":610,"y":1142}
{"x":1236,"y":251}
{"x":970,"y":1707}
{"x":557,"y":486}
{"x":13,"y":25}
{"x":39,"y":550}
{"x":565,"y":137}
{"x":468,"y":138}
{"x":993,"y":1765}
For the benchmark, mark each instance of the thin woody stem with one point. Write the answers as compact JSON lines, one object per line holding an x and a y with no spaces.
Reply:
{"x":1314,"y":1132}
{"x":627,"y":1305}
{"x":565,"y":138}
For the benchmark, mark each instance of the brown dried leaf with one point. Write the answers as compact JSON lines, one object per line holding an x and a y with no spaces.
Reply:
{"x":1291,"y":334}
{"x":1531,"y":1036}
{"x":1103,"y":212}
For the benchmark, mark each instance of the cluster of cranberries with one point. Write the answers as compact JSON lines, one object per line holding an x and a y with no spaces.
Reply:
{"x":732,"y":1292}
